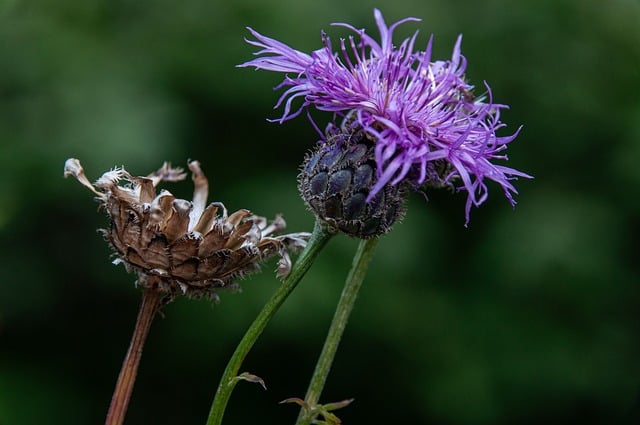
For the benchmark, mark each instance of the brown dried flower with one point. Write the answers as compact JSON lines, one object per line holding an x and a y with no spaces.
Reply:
{"x":183,"y":247}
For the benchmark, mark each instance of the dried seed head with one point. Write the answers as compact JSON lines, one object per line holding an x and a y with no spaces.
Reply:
{"x":183,"y":247}
{"x":336,"y":180}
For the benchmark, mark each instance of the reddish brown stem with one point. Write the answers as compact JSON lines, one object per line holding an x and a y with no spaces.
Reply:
{"x":151,"y":300}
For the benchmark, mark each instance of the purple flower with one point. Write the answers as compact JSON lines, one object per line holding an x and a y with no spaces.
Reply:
{"x":420,"y":112}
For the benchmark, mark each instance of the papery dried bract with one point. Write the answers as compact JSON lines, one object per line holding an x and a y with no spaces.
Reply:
{"x":183,"y":247}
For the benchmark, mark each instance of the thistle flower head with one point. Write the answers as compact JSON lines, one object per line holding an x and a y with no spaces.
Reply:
{"x":183,"y":247}
{"x":421,"y":113}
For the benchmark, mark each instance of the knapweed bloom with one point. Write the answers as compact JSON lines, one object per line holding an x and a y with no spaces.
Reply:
{"x":185,"y":247}
{"x":427,"y":127}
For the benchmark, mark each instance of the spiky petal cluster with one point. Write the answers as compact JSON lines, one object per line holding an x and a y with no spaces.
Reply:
{"x":418,"y":110}
{"x":177,"y":246}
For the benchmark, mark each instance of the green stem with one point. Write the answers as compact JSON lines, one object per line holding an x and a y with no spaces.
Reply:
{"x":361,"y":261}
{"x":318,"y":240}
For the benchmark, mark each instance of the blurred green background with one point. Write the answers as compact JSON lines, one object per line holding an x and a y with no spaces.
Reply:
{"x":526,"y":317}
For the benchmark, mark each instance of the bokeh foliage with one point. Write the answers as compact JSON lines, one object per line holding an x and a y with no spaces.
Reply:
{"x":525,"y":317}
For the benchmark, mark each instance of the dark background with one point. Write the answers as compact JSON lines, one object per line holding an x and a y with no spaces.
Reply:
{"x":526,"y":317}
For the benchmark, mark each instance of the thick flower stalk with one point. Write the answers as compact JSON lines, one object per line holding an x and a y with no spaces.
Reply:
{"x":427,"y":127}
{"x":185,"y":247}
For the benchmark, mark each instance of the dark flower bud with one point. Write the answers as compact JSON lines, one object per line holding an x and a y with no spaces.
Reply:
{"x":336,"y":181}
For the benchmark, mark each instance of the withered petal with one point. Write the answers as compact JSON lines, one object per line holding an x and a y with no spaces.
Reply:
{"x":254,"y":234}
{"x":146,"y":189}
{"x":112,"y":178}
{"x":211,"y":265}
{"x":131,"y":232}
{"x":268,"y":246}
{"x":212,"y":242}
{"x":160,"y":210}
{"x":135,"y":258}
{"x":239,"y":235}
{"x":240,"y":259}
{"x":147,"y":229}
{"x":186,"y":270}
{"x":157,"y":253}
{"x":235,"y":218}
{"x":201,"y":190}
{"x":277,"y":225}
{"x":184,"y":248}
{"x":178,"y":224}
{"x":167,"y":173}
{"x":72,"y":167}
{"x":261,"y":222}
{"x":284,"y":265}
{"x":118,"y":216}
{"x":206,"y":219}
{"x":295,"y":241}
{"x":124,"y":194}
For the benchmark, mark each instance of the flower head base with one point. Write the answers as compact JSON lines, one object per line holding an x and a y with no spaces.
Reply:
{"x":419,"y":112}
{"x":336,"y":179}
{"x":183,"y":247}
